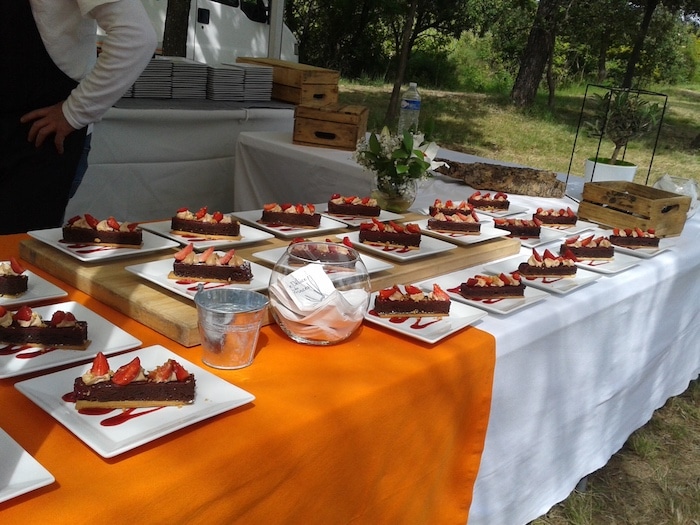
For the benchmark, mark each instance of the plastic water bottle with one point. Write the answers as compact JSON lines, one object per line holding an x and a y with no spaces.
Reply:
{"x":410,"y":109}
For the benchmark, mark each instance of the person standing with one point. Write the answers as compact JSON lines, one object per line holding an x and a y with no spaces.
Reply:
{"x":52,"y":86}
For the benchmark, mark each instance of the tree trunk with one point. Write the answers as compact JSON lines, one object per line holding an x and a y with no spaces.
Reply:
{"x":537,"y":51}
{"x":639,"y":43}
{"x":175,"y":32}
{"x":603,"y":56}
{"x":404,"y":52}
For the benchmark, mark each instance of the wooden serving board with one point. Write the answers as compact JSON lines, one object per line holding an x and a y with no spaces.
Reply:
{"x":176,"y":317}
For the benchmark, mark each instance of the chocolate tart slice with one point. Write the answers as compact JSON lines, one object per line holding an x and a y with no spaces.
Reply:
{"x":26,"y":327}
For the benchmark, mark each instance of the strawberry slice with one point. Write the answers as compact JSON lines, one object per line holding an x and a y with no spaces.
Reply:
{"x":536,"y":255}
{"x":92,"y":222}
{"x":57,"y":317}
{"x":201,"y":212}
{"x":227,"y":257}
{"x":616,"y":231}
{"x":411,"y":289}
{"x":651,"y":231}
{"x":568,"y":254}
{"x":127,"y":373}
{"x":180,"y":256}
{"x":16,"y":266}
{"x":388,"y":292}
{"x":218,"y":216}
{"x":206,"y":254}
{"x":472,"y":281}
{"x":299,"y":208}
{"x":23,"y":314}
{"x":286,"y":206}
{"x":413,"y":228}
{"x":586,"y":241}
{"x":335,"y":196}
{"x":180,"y":373}
{"x":73,"y":220}
{"x":548,"y":255}
{"x":449,"y":203}
{"x":3,"y":310}
{"x":270,"y":206}
{"x":399,"y":228}
{"x":639,"y":231}
{"x":347,"y":242}
{"x":181,"y":210}
{"x":537,"y":222}
{"x":570,"y":212}
{"x":365,"y":200}
{"x":113,"y":223}
{"x":348,"y":200}
{"x":439,"y":293}
{"x":100,"y":366}
{"x":311,"y":208}
{"x":132,"y":226}
{"x":572,"y":240}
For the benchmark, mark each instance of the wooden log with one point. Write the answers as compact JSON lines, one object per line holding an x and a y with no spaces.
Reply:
{"x":508,"y":179}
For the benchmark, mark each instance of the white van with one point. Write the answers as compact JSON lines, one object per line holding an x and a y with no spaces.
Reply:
{"x":221,"y":30}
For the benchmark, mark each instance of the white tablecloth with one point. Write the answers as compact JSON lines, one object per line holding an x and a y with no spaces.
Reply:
{"x":575,"y":374}
{"x":146,"y":163}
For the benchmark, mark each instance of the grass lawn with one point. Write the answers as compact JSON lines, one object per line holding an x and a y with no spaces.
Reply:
{"x":655,"y":478}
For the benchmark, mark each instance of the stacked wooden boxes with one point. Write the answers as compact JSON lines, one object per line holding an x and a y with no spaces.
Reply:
{"x":619,"y":204}
{"x":300,"y":83}
{"x":335,"y":126}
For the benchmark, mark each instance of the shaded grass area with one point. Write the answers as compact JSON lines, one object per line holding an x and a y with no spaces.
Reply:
{"x":655,"y":478}
{"x":488,"y":125}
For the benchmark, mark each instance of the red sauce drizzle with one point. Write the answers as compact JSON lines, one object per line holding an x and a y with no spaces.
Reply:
{"x":12,"y":349}
{"x":125,"y":416}
{"x":36,"y":353}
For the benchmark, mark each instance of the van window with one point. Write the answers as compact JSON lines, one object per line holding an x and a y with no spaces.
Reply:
{"x":256,"y":10}
{"x":232,"y":3}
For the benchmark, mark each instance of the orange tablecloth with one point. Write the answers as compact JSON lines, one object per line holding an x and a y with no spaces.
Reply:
{"x":379,"y":429}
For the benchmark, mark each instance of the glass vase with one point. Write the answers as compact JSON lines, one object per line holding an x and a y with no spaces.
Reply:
{"x":394,"y":197}
{"x":319,"y":292}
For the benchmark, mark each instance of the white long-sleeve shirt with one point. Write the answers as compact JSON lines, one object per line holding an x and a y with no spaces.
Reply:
{"x":68,"y":29}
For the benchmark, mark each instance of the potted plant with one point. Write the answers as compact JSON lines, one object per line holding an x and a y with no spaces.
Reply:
{"x":621,"y":116}
{"x":397,"y":163}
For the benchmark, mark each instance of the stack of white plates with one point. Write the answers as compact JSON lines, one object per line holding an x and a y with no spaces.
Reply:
{"x":189,"y":78}
{"x":258,"y":82}
{"x":225,"y":82}
{"x":155,"y":81}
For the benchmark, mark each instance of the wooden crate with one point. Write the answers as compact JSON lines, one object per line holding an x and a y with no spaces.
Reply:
{"x":300,"y":83}
{"x":617,"y":204}
{"x":336,"y":126}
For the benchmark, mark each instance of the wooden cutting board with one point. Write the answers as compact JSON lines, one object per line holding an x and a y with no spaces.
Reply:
{"x":176,"y":317}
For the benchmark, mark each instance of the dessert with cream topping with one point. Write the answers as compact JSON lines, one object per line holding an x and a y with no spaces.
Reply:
{"x":456,"y":222}
{"x":26,"y":327}
{"x":353,"y":205}
{"x":215,"y":225}
{"x":503,"y":286}
{"x":524,"y":228}
{"x":551,"y":217}
{"x":130,"y":386}
{"x":295,"y":215}
{"x":591,"y":247}
{"x":634,"y":238}
{"x":210,"y":266}
{"x":411,"y":302}
{"x":13,"y":282}
{"x":86,"y":229}
{"x":390,"y":234}
{"x":548,"y":265}
{"x":485,"y":201}
{"x":449,"y":207}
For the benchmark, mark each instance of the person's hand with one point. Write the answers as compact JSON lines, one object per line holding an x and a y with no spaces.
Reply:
{"x":48,"y":121}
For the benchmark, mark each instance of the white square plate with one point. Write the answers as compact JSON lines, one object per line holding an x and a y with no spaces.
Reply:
{"x":619,"y":263}
{"x":373,"y":265}
{"x":157,"y":272}
{"x":21,"y":473}
{"x":213,"y":396}
{"x":104,"y":337}
{"x":38,"y":289}
{"x":83,"y":252}
{"x":428,"y":246}
{"x":546,"y":235}
{"x":451,"y":282}
{"x":561,"y":285}
{"x":644,"y":253}
{"x":253,"y":216}
{"x":573,"y":229}
{"x":356,"y":220}
{"x":512,"y":210}
{"x":428,"y":329}
{"x":486,"y":233}
{"x":249,"y":235}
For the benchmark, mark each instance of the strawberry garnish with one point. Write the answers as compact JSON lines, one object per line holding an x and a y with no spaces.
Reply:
{"x":587,"y":240}
{"x":651,"y":231}
{"x":548,"y":255}
{"x":180,"y":373}
{"x":570,"y":212}
{"x":348,"y":200}
{"x":399,"y":228}
{"x":218,"y":216}
{"x":132,"y":226}
{"x":181,"y":210}
{"x":162,"y":373}
{"x":537,"y":221}
{"x":16,"y":266}
{"x":439,"y":293}
{"x":335,"y":196}
{"x":413,"y":228}
{"x":23,"y":314}
{"x":206,"y":254}
{"x":365,"y":200}
{"x":270,"y":206}
{"x":639,"y":231}
{"x":536,"y":255}
{"x":568,"y":254}
{"x":411,"y":289}
{"x":572,"y":240}
{"x":286,"y":206}
{"x":180,"y":256}
{"x":299,"y":208}
{"x":388,"y":292}
{"x":347,"y":242}
{"x":100,"y":366}
{"x":73,"y":220}
{"x":92,"y":222}
{"x":472,"y":281}
{"x":58,"y":317}
{"x":201,"y":212}
{"x":127,"y":373}
{"x":616,"y":231}
{"x":449,"y":203}
{"x":113,"y":223}
{"x":227,"y":257}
